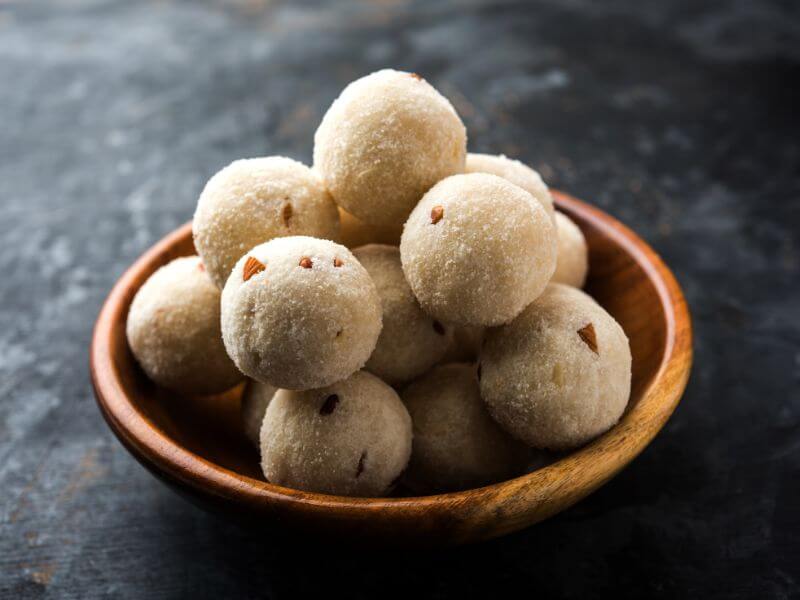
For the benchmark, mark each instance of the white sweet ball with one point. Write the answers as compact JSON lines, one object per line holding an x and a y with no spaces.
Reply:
{"x":477,"y":249}
{"x":411,"y":342}
{"x":254,"y":200}
{"x":573,"y":253}
{"x":255,"y":400}
{"x":173,"y":330}
{"x":300,"y":313}
{"x":560,"y":373}
{"x":354,"y":232}
{"x":384,"y":142}
{"x":514,"y":171}
{"x":456,"y":443}
{"x":352,"y":438}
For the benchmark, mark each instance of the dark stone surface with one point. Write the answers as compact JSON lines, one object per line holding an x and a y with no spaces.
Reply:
{"x":679,"y":118}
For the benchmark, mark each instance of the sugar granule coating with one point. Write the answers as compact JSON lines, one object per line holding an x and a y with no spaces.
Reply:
{"x":352,"y":438}
{"x":456,"y":443}
{"x":173,"y":330}
{"x":254,"y":200}
{"x":300,"y":313}
{"x":354,"y":232}
{"x":514,"y":171}
{"x":573,"y":254}
{"x":384,"y":141}
{"x":477,"y":249}
{"x":560,"y":373}
{"x":410,"y":342}
{"x":255,"y":400}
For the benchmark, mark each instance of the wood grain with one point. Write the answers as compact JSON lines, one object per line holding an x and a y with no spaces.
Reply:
{"x":195,"y":445}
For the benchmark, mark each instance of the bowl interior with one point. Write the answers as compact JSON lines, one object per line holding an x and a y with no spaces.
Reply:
{"x":210,"y":427}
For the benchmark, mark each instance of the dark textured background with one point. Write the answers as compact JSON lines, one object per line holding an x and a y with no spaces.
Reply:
{"x":679,"y":118}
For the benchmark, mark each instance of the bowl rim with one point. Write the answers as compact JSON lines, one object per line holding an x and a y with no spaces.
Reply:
{"x":169,"y":460}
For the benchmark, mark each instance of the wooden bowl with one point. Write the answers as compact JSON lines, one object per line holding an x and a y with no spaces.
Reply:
{"x":196,"y":445}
